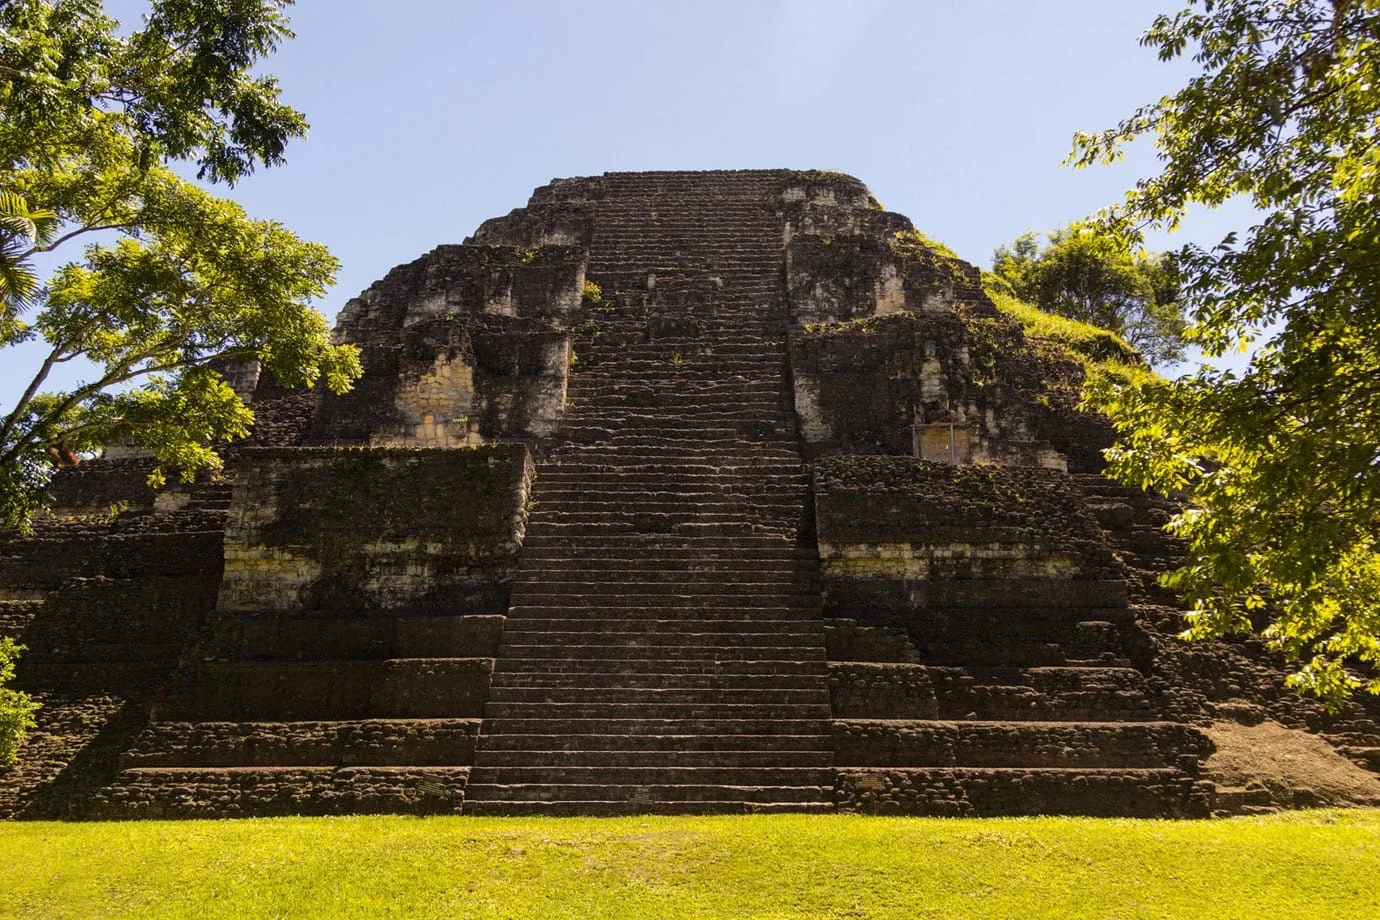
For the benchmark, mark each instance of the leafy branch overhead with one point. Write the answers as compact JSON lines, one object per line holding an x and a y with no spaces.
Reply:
{"x":173,"y":281}
{"x":1283,"y":459}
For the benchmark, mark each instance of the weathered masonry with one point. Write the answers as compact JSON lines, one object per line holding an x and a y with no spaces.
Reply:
{"x":669,"y":492}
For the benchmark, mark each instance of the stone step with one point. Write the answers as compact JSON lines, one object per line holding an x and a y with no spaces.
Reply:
{"x":636,"y":803}
{"x":599,"y":509}
{"x":581,"y":530}
{"x":1020,"y":645}
{"x":588,"y":680}
{"x":683,"y":260}
{"x":1030,"y":620}
{"x":698,"y":353}
{"x":880,"y":691}
{"x":512,"y":651}
{"x":661,"y":642}
{"x":555,"y":482}
{"x":613,"y":607}
{"x":628,"y":775}
{"x":726,"y":668}
{"x":74,"y":651}
{"x":699,"y":392}
{"x":670,"y":756}
{"x":671,"y":595}
{"x":607,"y":390}
{"x":670,"y":469}
{"x":661,"y":454}
{"x":644,"y":517}
{"x":743,"y":345}
{"x":639,"y":706}
{"x":624,"y":367}
{"x":585,"y":420}
{"x":679,"y":266}
{"x":925,"y":743}
{"x":672,"y":443}
{"x":16,"y":615}
{"x":658,"y":552}
{"x":215,"y":792}
{"x":698,"y":629}
{"x":1013,"y":654}
{"x":634,"y":793}
{"x":993,"y":791}
{"x":1363,"y":756}
{"x":645,"y":404}
{"x":682,"y":520}
{"x":317,"y":636}
{"x":738,"y":440}
{"x":801,"y":610}
{"x":656,"y":696}
{"x":715,"y":727}
{"x":660,"y":737}
{"x":658,"y":568}
{"x":418,"y":688}
{"x":378,"y":742}
{"x":1240,"y":799}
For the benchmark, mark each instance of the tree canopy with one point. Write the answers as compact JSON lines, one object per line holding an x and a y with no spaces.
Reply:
{"x":1282,"y":459}
{"x":173,"y":280}
{"x":1086,"y":273}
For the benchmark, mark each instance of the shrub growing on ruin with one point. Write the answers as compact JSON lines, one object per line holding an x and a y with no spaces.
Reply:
{"x":16,"y":709}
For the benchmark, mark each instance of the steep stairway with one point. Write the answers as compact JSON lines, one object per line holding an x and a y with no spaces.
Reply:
{"x":663,"y":650}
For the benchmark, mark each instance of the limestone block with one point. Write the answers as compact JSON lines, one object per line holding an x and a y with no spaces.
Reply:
{"x":375,"y":528}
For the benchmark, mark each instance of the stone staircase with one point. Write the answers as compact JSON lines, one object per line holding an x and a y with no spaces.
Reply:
{"x":978,"y":685}
{"x":663,"y":650}
{"x":962,"y":735}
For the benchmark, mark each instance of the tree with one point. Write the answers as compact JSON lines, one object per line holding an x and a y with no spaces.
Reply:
{"x":16,"y":709}
{"x":173,"y":280}
{"x":1282,"y":459}
{"x":1085,"y":273}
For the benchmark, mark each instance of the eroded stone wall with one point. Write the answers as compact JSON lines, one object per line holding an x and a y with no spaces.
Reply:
{"x":897,"y":534}
{"x":368,"y":528}
{"x":898,"y":350}
{"x":467,"y":345}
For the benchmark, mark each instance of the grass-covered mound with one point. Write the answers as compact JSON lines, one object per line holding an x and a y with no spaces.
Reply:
{"x":1308,"y":864}
{"x":1100,"y":351}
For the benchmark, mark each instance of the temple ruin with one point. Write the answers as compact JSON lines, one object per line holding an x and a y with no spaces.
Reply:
{"x":668,"y":492}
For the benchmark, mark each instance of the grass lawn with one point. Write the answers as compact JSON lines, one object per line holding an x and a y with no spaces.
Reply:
{"x":1311,"y":864}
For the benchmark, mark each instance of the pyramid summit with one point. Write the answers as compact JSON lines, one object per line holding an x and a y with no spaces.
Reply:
{"x":667,"y":492}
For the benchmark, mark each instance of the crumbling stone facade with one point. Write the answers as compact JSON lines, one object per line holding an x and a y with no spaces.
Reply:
{"x":668,"y":492}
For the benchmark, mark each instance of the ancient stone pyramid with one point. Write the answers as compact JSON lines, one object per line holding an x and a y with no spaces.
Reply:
{"x":670,"y":492}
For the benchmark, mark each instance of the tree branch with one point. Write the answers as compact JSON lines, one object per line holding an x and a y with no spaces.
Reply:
{"x":93,"y":228}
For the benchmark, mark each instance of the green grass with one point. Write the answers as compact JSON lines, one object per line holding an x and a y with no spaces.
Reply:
{"x":1310,"y":864}
{"x":1095,"y":347}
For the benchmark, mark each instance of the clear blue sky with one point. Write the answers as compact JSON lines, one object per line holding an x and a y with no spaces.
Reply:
{"x":429,"y":116}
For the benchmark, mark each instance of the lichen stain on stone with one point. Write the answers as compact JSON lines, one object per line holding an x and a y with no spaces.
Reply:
{"x":918,"y":560}
{"x":265,"y":578}
{"x":501,"y":304}
{"x":814,"y":421}
{"x":889,"y":291}
{"x":436,"y":408}
{"x":425,"y":308}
